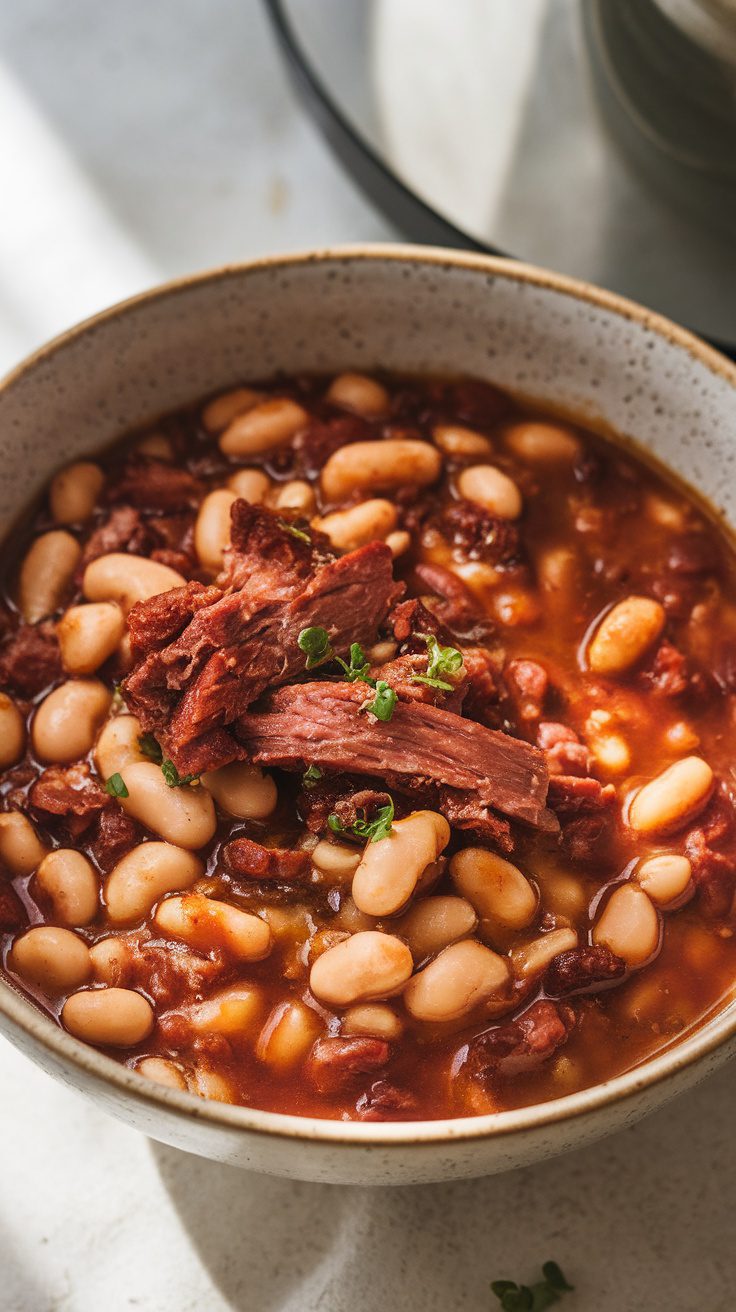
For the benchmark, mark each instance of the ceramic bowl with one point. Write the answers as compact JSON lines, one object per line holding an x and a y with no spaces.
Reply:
{"x":567,"y":344}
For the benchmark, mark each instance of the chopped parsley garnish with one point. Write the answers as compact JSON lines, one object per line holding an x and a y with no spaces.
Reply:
{"x":172,"y":776}
{"x":295,"y":532}
{"x":382,"y":705}
{"x":150,"y":747}
{"x":440,"y":660}
{"x":532,"y":1298}
{"x":115,"y":786}
{"x":311,"y":776}
{"x":371,"y":831}
{"x":358,"y":667}
{"x":315,"y":643}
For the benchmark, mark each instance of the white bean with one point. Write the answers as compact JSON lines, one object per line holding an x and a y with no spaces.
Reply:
{"x":369,"y":521}
{"x":459,"y":980}
{"x":212,"y":528}
{"x":12,"y":732}
{"x":46,"y":574}
{"x":461,"y":443}
{"x":336,"y":859}
{"x":625,"y":635}
{"x":496,"y":888}
{"x":74,"y":491}
{"x":118,"y":745}
{"x":206,"y":924}
{"x":379,"y":466}
{"x":288,"y":1035}
{"x":366,"y":966}
{"x":222,"y":409}
{"x":542,"y":444}
{"x":263,"y":428}
{"x":435,"y":922}
{"x":89,"y":635}
{"x":21,"y":850}
{"x":127,"y":579}
{"x":373,"y":1018}
{"x":67,"y":721}
{"x":162,"y":1071}
{"x":111,"y":961}
{"x":628,"y":925}
{"x":390,"y":869}
{"x":250,"y":485}
{"x":362,"y":395}
{"x":296,"y":494}
{"x":183,"y":816}
{"x":665,"y":878}
{"x":155,"y":445}
{"x":55,"y":960}
{"x":234,"y":1010}
{"x":242,"y":790}
{"x":491,"y":488}
{"x":116,"y":1018}
{"x":69,"y":879}
{"x":675,"y":796}
{"x":144,"y":875}
{"x":533,"y":958}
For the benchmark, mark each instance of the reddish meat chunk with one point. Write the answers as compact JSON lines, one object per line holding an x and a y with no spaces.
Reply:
{"x":527,"y":683}
{"x":339,"y":1063}
{"x":123,"y":530}
{"x":481,"y":700}
{"x":580,"y":969}
{"x":479,"y":534}
{"x":154,"y":623}
{"x":150,"y":484}
{"x":421,"y":747}
{"x":30,"y":659}
{"x":315,"y":444}
{"x":523,"y":1044}
{"x":244,"y":857}
{"x":189,"y":692}
{"x":456,"y":606}
{"x":361,"y":805}
{"x":12,"y":912}
{"x":565,"y":753}
{"x":714,"y":871}
{"x":585,"y":809}
{"x":668,"y":674}
{"x":693,"y":553}
{"x":385,"y":1102}
{"x":411,"y":619}
{"x":70,"y":791}
{"x":115,"y":834}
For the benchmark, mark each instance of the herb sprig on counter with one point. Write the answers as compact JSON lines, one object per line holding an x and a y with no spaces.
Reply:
{"x":532,"y":1298}
{"x":440,"y":660}
{"x":371,"y":831}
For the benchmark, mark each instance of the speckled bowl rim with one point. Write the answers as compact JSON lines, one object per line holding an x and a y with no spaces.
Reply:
{"x":710,"y":1036}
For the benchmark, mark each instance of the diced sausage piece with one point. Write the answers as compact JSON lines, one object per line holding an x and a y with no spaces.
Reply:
{"x":335,"y":1064}
{"x":244,"y":857}
{"x":30,"y":660}
{"x":523,"y":1044}
{"x":581,"y":969}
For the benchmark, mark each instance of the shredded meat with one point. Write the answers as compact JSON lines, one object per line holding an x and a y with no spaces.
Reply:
{"x":565,"y":753}
{"x":523,"y":1044}
{"x":421,"y":747}
{"x":481,"y":700}
{"x":580,"y":969}
{"x":123,"y":530}
{"x":115,"y":834}
{"x":456,"y":606}
{"x":338,"y":1063}
{"x":30,"y":659}
{"x":412,"y":618}
{"x":363,"y":804}
{"x":714,"y":872}
{"x":244,"y":857}
{"x":315,"y":444}
{"x":189,"y":690}
{"x":70,"y":791}
{"x":479,"y":534}
{"x":585,"y":808}
{"x":155,"y":623}
{"x":149,"y":484}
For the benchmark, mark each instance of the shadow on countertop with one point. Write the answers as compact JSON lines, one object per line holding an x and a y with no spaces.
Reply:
{"x":641,"y":1221}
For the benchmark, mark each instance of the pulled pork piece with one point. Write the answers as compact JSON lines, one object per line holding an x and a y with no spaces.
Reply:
{"x":714,"y":872}
{"x":523,"y":1044}
{"x":456,"y":606}
{"x":401,"y":674}
{"x":585,"y":808}
{"x":124,"y":530}
{"x":70,"y":791}
{"x":189,"y":687}
{"x":422,"y":747}
{"x":580,"y":969}
{"x":479,"y":534}
{"x":244,"y":857}
{"x":338,"y":1063}
{"x":410,"y":619}
{"x":527,"y":683}
{"x":314,"y":445}
{"x":150,"y":484}
{"x":30,"y":659}
{"x":385,"y":1102}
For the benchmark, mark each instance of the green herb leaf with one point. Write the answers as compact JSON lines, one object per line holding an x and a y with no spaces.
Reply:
{"x":370,"y":831}
{"x":440,"y":660}
{"x":150,"y":747}
{"x":311,"y":776}
{"x":115,"y":786}
{"x":172,"y":776}
{"x":315,"y":643}
{"x":382,"y":705}
{"x":358,"y":667}
{"x":295,"y":532}
{"x":538,"y":1297}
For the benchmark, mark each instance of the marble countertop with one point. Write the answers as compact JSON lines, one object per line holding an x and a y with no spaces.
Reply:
{"x":138,"y":142}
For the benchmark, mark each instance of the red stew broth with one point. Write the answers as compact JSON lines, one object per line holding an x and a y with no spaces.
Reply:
{"x":617,"y":527}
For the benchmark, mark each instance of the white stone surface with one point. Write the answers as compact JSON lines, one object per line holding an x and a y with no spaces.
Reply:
{"x":138,"y":142}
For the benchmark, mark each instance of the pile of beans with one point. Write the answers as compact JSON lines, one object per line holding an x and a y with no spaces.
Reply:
{"x":363,"y":989}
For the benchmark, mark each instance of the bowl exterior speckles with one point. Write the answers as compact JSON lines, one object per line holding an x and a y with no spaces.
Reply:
{"x":414,"y":310}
